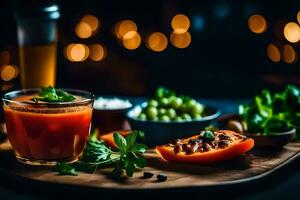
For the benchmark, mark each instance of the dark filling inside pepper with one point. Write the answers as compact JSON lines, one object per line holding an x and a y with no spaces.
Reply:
{"x":206,"y":141}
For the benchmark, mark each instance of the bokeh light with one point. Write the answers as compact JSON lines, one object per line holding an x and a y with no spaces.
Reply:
{"x":83,"y":30}
{"x":16,"y":70}
{"x":273,"y":53}
{"x":92,"y":21}
{"x":87,"y":26}
{"x":180,"y":23}
{"x":292,"y":32}
{"x":8,"y":72}
{"x":180,"y":40}
{"x":76,"y":52}
{"x":131,"y":40}
{"x":298,"y":16}
{"x":198,"y":23}
{"x":4,"y":57}
{"x":222,"y":10}
{"x":257,"y":23}
{"x":124,"y":27}
{"x":289,"y":54}
{"x":157,"y":41}
{"x":97,"y":52}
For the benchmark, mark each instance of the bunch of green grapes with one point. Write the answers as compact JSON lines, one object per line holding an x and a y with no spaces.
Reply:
{"x":167,"y":106}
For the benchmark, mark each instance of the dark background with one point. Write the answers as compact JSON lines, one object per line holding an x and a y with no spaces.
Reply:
{"x":224,"y":60}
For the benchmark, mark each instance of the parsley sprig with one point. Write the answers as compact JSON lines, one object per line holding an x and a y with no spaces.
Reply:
{"x":125,"y":157}
{"x":50,"y":94}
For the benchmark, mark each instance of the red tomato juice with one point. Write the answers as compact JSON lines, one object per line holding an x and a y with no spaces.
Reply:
{"x":48,"y":134}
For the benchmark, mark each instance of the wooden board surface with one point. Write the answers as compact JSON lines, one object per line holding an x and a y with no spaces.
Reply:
{"x":254,"y":165}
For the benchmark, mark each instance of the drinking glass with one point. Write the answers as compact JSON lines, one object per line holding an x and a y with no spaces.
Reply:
{"x":46,"y":133}
{"x":37,"y":39}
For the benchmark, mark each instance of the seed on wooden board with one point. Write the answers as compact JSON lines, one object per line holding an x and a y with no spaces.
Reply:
{"x":148,"y":174}
{"x":161,"y":177}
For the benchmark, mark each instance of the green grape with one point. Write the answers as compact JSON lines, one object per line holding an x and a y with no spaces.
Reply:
{"x":142,"y":116}
{"x":162,"y":111}
{"x":197,"y":109}
{"x":178,"y":119}
{"x":183,"y":108}
{"x":175,"y":102}
{"x":171,"y":113}
{"x":164,"y":102}
{"x":152,"y":103}
{"x":155,"y":119}
{"x":191,"y":103}
{"x":186,"y":117}
{"x":151,"y":112}
{"x":197,"y":116}
{"x":164,"y":118}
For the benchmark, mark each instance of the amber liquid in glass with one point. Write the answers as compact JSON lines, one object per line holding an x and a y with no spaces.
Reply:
{"x":38,"y":65}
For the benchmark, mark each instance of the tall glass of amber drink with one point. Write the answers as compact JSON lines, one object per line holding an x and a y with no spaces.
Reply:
{"x":43,"y":133}
{"x":37,"y":38}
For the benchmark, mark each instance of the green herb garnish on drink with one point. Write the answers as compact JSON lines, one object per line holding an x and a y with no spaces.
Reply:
{"x":127,"y":156}
{"x":52,"y":95}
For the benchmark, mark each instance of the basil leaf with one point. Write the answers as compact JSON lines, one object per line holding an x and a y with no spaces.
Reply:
{"x":129,"y":168}
{"x":65,"y":169}
{"x":97,"y":155}
{"x":139,"y":148}
{"x":50,"y":94}
{"x":130,"y":139}
{"x":120,"y":142}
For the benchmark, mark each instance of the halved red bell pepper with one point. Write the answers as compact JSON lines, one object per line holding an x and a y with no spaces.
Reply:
{"x":215,"y":155}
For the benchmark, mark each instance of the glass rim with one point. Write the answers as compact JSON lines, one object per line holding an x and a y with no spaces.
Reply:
{"x":88,"y":98}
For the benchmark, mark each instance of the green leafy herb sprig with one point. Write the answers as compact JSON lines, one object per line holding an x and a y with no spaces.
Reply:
{"x":269,"y":113}
{"x":125,"y":157}
{"x":50,"y":94}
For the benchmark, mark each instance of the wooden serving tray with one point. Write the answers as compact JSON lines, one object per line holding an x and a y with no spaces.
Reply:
{"x":255,"y":165}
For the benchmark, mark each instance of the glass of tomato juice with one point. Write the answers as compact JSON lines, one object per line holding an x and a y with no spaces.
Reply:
{"x":46,"y":133}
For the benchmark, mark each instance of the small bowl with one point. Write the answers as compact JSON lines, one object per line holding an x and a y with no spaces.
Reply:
{"x":107,"y":120}
{"x":276,"y":140}
{"x":158,"y":133}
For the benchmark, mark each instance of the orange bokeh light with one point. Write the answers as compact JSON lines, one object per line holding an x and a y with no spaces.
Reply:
{"x":87,"y":26}
{"x":273,"y":53}
{"x":257,"y":23}
{"x":124,"y":27}
{"x":8,"y":72}
{"x":180,"y":23}
{"x":97,"y":52}
{"x":83,"y":30}
{"x":157,"y":41}
{"x":292,"y":32}
{"x":289,"y":54}
{"x":131,"y":40}
{"x":77,"y":52}
{"x":180,"y":40}
{"x":92,"y":21}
